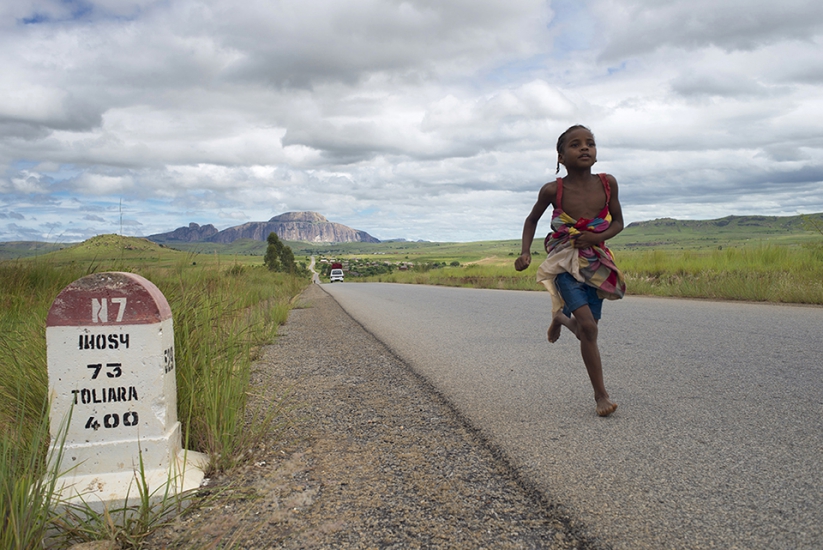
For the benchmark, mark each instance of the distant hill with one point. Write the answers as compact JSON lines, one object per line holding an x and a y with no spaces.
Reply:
{"x":728,"y":230}
{"x":132,"y":253}
{"x":746,"y":223}
{"x":191,"y":234}
{"x":292,"y":226}
{"x":24,"y":249}
{"x":661,"y":233}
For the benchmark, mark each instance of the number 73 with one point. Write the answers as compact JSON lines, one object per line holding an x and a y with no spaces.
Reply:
{"x":115,"y":370}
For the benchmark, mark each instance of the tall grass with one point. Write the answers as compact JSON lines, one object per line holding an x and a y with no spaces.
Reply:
{"x":469,"y":276}
{"x":763,"y":273}
{"x":217,"y":329}
{"x":26,"y":492}
{"x":26,"y":293}
{"x":222,"y":314}
{"x":773,"y":273}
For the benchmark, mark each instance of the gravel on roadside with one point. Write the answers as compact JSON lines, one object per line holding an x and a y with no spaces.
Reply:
{"x":372,"y":457}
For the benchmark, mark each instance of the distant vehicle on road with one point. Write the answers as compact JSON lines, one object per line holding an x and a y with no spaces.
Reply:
{"x":336,"y":275}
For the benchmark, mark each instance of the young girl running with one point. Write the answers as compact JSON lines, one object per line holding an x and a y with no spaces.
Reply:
{"x":579,"y":271}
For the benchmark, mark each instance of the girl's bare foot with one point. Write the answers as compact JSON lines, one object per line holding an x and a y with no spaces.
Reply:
{"x":554,"y":330}
{"x":559,"y":321}
{"x":605,"y":406}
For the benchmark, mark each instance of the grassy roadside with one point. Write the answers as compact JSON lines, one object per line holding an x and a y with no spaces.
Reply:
{"x":223,"y":311}
{"x":756,"y":258}
{"x":761,"y":272}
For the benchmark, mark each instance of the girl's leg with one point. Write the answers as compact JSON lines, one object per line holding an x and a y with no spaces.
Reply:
{"x":586,"y":331}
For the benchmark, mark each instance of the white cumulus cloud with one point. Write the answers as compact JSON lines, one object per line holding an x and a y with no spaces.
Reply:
{"x":424,"y":119}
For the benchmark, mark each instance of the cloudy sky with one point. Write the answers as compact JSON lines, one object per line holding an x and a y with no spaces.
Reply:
{"x":422,"y":119}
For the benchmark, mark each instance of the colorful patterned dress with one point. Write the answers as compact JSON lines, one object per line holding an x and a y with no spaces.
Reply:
{"x":593,"y":266}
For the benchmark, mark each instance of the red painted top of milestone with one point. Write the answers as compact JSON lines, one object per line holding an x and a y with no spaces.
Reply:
{"x":112,"y":298}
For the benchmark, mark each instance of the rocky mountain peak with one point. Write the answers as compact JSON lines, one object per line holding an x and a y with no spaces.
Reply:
{"x":291,"y":226}
{"x":310,"y":217}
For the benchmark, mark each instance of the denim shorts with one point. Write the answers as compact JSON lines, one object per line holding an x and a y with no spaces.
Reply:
{"x":577,"y":294}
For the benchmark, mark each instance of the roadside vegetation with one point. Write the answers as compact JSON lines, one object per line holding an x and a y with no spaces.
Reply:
{"x":753,"y":258}
{"x":769,"y":273}
{"x":224,"y":308}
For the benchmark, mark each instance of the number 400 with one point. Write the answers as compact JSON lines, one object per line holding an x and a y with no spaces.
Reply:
{"x":113,"y":420}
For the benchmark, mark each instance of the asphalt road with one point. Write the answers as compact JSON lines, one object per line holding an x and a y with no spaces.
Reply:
{"x":718,"y":438}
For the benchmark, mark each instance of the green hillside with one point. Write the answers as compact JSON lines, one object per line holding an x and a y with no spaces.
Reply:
{"x":412,"y":251}
{"x":666,"y":233}
{"x":240,"y":247}
{"x":26,"y":249}
{"x":127,"y":252}
{"x":728,"y":231}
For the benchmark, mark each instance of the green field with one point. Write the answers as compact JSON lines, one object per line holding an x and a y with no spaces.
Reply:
{"x":737,"y":258}
{"x":663,"y":233}
{"x":758,"y":258}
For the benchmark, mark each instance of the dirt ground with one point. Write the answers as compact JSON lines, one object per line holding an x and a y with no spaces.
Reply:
{"x":372,"y":457}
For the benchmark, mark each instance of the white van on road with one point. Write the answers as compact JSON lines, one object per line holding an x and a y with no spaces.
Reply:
{"x":336,"y":275}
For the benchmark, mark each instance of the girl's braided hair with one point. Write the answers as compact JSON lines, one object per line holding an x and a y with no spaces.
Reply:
{"x":561,"y":141}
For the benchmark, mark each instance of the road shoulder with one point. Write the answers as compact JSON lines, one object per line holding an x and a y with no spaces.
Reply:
{"x":372,"y":458}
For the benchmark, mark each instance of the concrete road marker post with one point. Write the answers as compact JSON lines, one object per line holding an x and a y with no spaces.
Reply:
{"x":110,"y":348}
